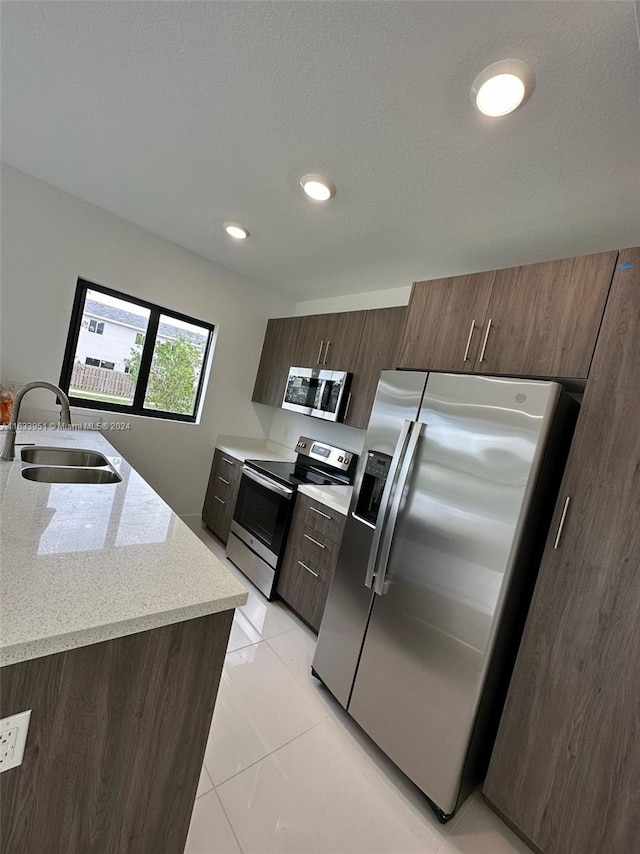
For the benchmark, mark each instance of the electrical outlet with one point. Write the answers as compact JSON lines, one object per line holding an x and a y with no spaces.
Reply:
{"x":13,"y":737}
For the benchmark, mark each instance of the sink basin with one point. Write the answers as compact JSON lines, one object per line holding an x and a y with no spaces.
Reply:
{"x":46,"y":456}
{"x":70,"y":474}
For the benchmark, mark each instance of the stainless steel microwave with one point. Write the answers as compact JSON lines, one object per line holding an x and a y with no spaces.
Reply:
{"x":317,"y":392}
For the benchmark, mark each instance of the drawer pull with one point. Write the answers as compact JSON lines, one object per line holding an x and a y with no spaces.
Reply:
{"x":562,"y":518}
{"x":304,"y":566}
{"x":230,"y":462}
{"x":486,"y":338}
{"x":326,"y":353}
{"x":320,"y":513}
{"x":346,"y":411}
{"x":224,"y":480}
{"x":219,"y":499}
{"x":315,"y":542}
{"x":465,"y":358}
{"x":320,"y":353}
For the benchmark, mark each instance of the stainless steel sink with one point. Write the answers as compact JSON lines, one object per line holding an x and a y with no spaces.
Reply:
{"x":47,"y":456}
{"x":70,"y":474}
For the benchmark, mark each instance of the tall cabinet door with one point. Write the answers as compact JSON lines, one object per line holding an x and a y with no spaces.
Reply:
{"x":543,"y":319}
{"x":565,"y":767}
{"x":444,"y":323}
{"x":378,"y":348}
{"x":280,"y":351}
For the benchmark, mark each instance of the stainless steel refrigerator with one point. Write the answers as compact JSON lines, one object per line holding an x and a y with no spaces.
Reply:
{"x":452,"y":500}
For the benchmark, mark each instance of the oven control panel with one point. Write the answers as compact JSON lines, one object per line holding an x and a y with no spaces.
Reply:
{"x":336,"y":457}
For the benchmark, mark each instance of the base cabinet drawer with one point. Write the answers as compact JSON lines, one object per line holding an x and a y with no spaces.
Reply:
{"x":321,"y":518}
{"x":304,"y":587}
{"x":222,"y":491}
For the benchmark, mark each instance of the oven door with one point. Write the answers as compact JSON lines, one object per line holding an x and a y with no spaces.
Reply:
{"x":261,"y":515}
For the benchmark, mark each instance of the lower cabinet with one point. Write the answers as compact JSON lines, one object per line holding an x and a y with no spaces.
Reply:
{"x":222,"y":491}
{"x":310,"y":558}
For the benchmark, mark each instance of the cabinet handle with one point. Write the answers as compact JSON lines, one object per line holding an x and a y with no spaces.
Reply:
{"x":320,"y":513}
{"x":219,"y":499}
{"x":304,"y":566}
{"x":326,"y":353}
{"x":315,"y":542}
{"x":562,"y":518}
{"x":346,"y":409}
{"x":320,"y":352}
{"x":465,"y":358}
{"x":230,"y":462}
{"x":224,"y":480}
{"x":486,"y":338}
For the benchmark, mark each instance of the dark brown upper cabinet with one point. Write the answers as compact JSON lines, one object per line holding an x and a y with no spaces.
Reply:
{"x":280,"y":350}
{"x":444,"y":323}
{"x":378,"y":350}
{"x":564,"y":769}
{"x":537,"y":320}
{"x":543,"y":319}
{"x":330,"y":341}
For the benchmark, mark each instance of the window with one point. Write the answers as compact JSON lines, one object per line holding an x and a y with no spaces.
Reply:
{"x":150,"y":361}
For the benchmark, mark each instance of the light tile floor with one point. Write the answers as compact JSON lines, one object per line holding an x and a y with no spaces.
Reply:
{"x":287,"y":771}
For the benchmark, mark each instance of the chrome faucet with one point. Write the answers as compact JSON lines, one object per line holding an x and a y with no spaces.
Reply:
{"x":9,"y":448}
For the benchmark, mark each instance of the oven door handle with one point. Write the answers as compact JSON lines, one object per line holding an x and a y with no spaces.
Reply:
{"x":267,"y":483}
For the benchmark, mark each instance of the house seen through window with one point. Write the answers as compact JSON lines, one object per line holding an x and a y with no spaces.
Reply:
{"x":147,"y":361}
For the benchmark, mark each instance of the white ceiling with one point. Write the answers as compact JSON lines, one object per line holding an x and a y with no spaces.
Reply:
{"x":180,"y":116}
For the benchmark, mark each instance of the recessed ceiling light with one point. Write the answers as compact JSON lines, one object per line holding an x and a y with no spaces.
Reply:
{"x":317,"y":188}
{"x":502,"y":87}
{"x":235,"y":230}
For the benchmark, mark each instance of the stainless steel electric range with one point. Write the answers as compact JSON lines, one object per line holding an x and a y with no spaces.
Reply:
{"x":264,"y":506}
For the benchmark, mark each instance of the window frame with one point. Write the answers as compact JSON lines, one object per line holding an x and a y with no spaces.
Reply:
{"x":137,"y":405}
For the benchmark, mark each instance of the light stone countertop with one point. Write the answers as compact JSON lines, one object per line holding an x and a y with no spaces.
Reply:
{"x":82,"y":564}
{"x":338,"y":498}
{"x":254,"y":449}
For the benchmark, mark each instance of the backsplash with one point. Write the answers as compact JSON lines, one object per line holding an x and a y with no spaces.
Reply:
{"x":287,"y":426}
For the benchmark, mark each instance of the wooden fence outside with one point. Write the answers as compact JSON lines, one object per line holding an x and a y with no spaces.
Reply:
{"x":102,"y":380}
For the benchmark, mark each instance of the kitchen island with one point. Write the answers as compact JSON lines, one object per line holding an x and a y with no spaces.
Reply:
{"x":114,"y":624}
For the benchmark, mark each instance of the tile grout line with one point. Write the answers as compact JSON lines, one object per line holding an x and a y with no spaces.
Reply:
{"x":216,"y":786}
{"x":229,"y":822}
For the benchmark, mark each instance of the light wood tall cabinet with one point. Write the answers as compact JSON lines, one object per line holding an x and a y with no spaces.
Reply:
{"x":565,"y":770}
{"x":537,"y":320}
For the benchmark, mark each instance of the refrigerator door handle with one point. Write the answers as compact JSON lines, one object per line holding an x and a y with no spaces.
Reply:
{"x":385,"y":549}
{"x":387,"y":492}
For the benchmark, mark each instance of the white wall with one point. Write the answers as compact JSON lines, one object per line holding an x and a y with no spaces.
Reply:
{"x":49,"y":238}
{"x":355,"y":302}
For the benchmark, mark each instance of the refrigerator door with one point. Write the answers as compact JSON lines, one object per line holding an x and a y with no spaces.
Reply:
{"x":460,"y":518}
{"x":397,"y":404}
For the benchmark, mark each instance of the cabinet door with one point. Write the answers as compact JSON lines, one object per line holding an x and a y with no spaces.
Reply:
{"x":545,"y":317}
{"x":564,"y":769}
{"x":331,"y":340}
{"x":280,"y":351}
{"x":444,"y":323}
{"x":378,"y":350}
{"x":304,"y":587}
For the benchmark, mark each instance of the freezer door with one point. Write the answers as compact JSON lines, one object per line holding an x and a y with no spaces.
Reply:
{"x":431,"y":631}
{"x":397,"y":404}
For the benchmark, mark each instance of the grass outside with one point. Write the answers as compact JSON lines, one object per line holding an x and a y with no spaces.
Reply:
{"x":105,"y":398}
